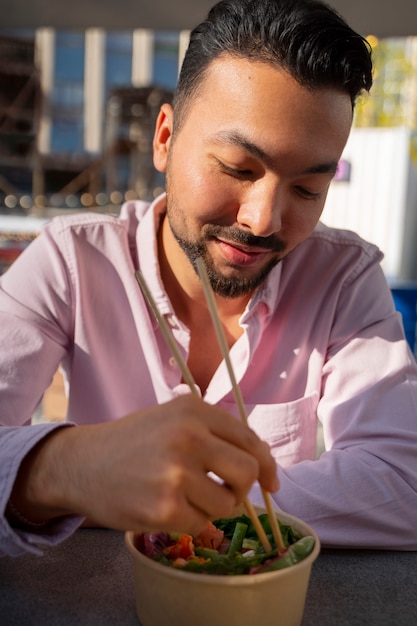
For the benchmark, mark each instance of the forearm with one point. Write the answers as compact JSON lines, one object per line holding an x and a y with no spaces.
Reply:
{"x":35,"y":493}
{"x":15,"y":537}
{"x":147,"y":471}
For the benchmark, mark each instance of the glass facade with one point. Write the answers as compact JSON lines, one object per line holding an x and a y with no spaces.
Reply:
{"x":165,"y":59}
{"x":66,"y":104}
{"x":68,"y":161}
{"x":118,"y":60}
{"x":67,"y":95}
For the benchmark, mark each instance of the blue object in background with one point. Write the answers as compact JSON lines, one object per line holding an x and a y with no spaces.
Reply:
{"x":405,"y":300}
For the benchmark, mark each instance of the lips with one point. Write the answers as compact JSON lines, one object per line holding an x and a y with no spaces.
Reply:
{"x":242,"y":256}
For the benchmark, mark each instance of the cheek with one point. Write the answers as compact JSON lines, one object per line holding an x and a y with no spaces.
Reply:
{"x":187,"y":176}
{"x":201,"y":189}
{"x":300,"y":225}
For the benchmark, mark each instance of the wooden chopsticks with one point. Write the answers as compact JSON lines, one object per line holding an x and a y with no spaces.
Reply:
{"x":208,"y":292}
{"x":166,"y":331}
{"x":188,"y":378}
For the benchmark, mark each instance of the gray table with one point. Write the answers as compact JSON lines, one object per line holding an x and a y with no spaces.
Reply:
{"x":87,"y":581}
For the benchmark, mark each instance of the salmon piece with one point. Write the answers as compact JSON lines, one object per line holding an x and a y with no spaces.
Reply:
{"x":210,"y":537}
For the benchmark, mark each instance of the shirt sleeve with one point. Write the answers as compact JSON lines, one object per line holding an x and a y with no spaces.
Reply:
{"x":15,"y":443}
{"x":36,"y":326}
{"x":35,"y":330}
{"x":362,"y":491}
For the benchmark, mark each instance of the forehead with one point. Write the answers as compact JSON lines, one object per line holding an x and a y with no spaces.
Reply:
{"x":265,"y":102}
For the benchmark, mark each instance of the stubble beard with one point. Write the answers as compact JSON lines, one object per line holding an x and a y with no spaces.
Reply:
{"x":227,"y":286}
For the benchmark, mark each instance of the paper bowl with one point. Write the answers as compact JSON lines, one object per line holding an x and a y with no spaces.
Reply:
{"x":167,"y":596}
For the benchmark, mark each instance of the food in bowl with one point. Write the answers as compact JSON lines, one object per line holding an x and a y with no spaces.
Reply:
{"x":174,"y":596}
{"x":226,"y":547}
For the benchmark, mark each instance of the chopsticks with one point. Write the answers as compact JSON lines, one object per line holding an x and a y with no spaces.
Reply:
{"x":208,"y":292}
{"x":166,"y":331}
{"x":188,"y":378}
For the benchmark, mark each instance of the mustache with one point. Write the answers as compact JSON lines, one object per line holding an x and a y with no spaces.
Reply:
{"x":236,"y":235}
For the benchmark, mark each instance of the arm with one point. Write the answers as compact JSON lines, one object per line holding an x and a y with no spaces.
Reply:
{"x":147,"y":471}
{"x":15,"y":539}
{"x":36,"y":325}
{"x":35,"y":322}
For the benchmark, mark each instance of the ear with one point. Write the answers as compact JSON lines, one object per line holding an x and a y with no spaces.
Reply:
{"x":162,"y":137}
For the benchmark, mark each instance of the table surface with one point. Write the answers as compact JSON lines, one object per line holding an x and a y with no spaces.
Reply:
{"x":87,"y":580}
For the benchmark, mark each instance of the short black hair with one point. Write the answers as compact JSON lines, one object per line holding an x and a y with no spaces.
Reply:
{"x":306,"y":38}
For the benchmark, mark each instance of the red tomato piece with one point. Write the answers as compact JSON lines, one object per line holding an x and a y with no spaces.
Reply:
{"x":183,"y":548}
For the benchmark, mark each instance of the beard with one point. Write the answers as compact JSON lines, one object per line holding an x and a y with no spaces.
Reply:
{"x":228,"y":286}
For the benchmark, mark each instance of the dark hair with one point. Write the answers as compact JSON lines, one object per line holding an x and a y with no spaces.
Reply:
{"x":306,"y":38}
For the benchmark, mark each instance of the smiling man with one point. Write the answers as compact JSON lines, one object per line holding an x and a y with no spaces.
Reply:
{"x":247,"y":182}
{"x":261,"y":115}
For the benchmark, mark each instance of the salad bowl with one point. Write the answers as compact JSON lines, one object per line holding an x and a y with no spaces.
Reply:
{"x":170,"y":596}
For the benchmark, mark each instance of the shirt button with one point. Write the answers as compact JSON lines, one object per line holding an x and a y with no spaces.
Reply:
{"x":173,"y":362}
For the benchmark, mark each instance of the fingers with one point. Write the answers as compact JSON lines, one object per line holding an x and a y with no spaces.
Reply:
{"x":198,"y":439}
{"x":268,"y":475}
{"x":151,"y":470}
{"x":200,"y":499}
{"x":236,"y":452}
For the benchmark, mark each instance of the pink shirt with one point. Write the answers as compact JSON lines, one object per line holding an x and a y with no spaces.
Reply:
{"x":322,"y":344}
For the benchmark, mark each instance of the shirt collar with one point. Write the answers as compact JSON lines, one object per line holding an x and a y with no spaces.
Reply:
{"x":147,"y":246}
{"x":265,"y":298}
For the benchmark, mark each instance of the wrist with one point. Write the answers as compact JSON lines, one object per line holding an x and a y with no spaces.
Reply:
{"x":17,"y":519}
{"x":33,"y":500}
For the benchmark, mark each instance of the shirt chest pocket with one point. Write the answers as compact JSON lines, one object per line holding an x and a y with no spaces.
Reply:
{"x":290,"y":428}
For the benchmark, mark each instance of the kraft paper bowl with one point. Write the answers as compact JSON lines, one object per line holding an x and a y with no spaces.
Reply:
{"x":167,"y":596}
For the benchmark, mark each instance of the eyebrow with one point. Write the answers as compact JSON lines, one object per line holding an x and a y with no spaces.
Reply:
{"x":237,"y":139}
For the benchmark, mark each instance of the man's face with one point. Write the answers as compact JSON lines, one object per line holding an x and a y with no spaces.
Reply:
{"x":249,"y":169}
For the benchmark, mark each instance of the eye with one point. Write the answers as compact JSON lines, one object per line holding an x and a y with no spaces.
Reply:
{"x":241,"y":173}
{"x":309,"y":195}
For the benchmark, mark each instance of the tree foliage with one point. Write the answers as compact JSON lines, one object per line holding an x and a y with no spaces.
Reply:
{"x":393,"y":97}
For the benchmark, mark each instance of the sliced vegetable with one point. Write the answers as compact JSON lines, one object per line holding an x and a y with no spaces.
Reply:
{"x":237,"y":539}
{"x":183,"y":548}
{"x":226,"y":547}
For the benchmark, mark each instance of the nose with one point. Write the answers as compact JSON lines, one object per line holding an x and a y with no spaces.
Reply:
{"x":261,"y":209}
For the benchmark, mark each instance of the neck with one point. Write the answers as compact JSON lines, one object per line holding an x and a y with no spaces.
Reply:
{"x":185,"y":291}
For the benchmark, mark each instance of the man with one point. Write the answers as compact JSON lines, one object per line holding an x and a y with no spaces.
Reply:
{"x":261,"y":115}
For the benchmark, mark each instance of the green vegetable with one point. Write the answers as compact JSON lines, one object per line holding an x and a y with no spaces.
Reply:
{"x":279,"y":562}
{"x":251,"y":544}
{"x":237,"y":539}
{"x":227,"y":525}
{"x":295,"y":553}
{"x":243,"y":536}
{"x":302,"y":548}
{"x":210,"y":553}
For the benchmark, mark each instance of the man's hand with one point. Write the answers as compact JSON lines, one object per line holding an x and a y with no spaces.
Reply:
{"x":147,"y":471}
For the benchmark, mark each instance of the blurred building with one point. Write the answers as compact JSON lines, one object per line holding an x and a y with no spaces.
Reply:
{"x":129,"y":128}
{"x":20,"y":96}
{"x":76,"y":114}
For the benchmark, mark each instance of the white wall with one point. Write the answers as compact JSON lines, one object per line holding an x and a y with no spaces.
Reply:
{"x":379,"y":202}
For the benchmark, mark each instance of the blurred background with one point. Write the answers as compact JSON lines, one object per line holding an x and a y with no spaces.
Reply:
{"x":81,"y":84}
{"x":77,"y":111}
